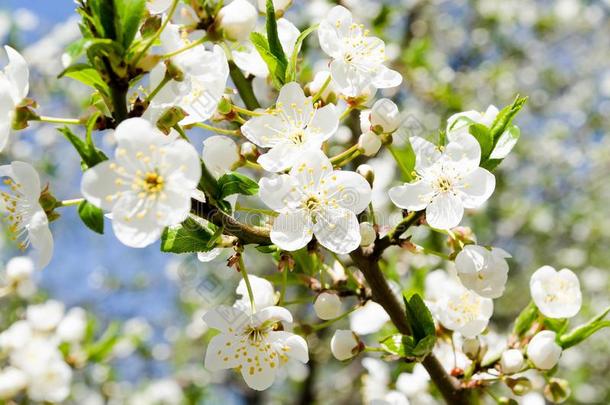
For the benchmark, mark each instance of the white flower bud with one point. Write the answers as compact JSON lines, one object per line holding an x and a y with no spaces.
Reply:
{"x":367,"y":234}
{"x":72,"y":328}
{"x":471,"y":347}
{"x":556,"y":293}
{"x":344,"y":344}
{"x":280,"y":6}
{"x":19,"y":269}
{"x":316,"y":84}
{"x":327,"y":306}
{"x":543,"y":351}
{"x":220,"y":154}
{"x":385,"y":116}
{"x":511,"y":361}
{"x":249,"y":151}
{"x":12,"y":380}
{"x":237,"y":19}
{"x":367,"y":172}
{"x":45,"y":317}
{"x":369,"y":143}
{"x":365,"y":121}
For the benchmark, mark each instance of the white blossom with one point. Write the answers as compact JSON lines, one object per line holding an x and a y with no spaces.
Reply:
{"x":12,"y":381}
{"x":368,"y":318}
{"x":263,"y":293}
{"x":19,"y":276}
{"x":14,"y":88}
{"x":16,"y":336}
{"x":158,"y":6}
{"x":369,"y":143}
{"x":357,"y":57}
{"x":543,"y":350}
{"x":73,"y":326}
{"x":248,"y":342}
{"x":511,"y":361}
{"x":327,"y":305}
{"x":46,"y":316}
{"x":385,"y":116}
{"x":148,"y":185}
{"x":367,"y":234}
{"x":483,"y":270}
{"x":448,"y":182}
{"x":279,"y":6}
{"x":237,"y":19}
{"x":28,"y":222}
{"x":344,"y":344}
{"x":556,"y":293}
{"x":294,"y":126}
{"x":315,"y":86}
{"x":313,"y":199}
{"x":50,"y":383}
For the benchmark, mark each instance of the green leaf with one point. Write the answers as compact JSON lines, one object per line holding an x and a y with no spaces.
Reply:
{"x":92,"y":216}
{"x":276,"y":69}
{"x":291,"y":70}
{"x":556,"y":325}
{"x":405,"y":157}
{"x":399,"y":345}
{"x":235,"y":183}
{"x":505,"y":117}
{"x":87,"y":75}
{"x":104,"y":13}
{"x":130,"y":14}
{"x":101,"y":349}
{"x":424,"y":346}
{"x":89,"y":154}
{"x":188,"y":237}
{"x":275,"y":46}
{"x":582,"y":332}
{"x":481,"y":133}
{"x":419,"y":317}
{"x":526,"y":319}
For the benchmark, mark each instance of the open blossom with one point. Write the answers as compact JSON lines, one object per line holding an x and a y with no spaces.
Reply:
{"x":357,"y":57}
{"x":294,"y":126}
{"x":205,"y":78}
{"x":14,"y":87}
{"x":27,"y":221}
{"x":248,"y":343}
{"x":19,"y":276}
{"x":449,"y":181}
{"x":313,"y":199}
{"x":483,"y":270}
{"x":148,"y":185}
{"x":556,"y":293}
{"x":12,"y":381}
{"x":247,"y":58}
{"x":46,"y":316}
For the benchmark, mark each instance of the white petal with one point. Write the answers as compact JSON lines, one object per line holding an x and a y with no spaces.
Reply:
{"x":349,"y":189}
{"x":324,"y":123}
{"x":225,"y":318}
{"x":445,"y":211}
{"x":158,"y":6}
{"x":478,"y":187}
{"x":312,"y":166}
{"x":288,"y":34}
{"x":220,"y":154}
{"x":465,"y":150}
{"x":426,"y":153}
{"x":293,"y":102}
{"x":18,"y":74}
{"x":338,"y":230}
{"x":351,"y":81}
{"x":264,"y":131}
{"x":292,"y":231}
{"x":280,"y":157}
{"x":258,"y":378}
{"x":273,"y":313}
{"x":98,"y":184}
{"x":173,"y":207}
{"x":335,"y":26}
{"x":136,"y":131}
{"x":368,"y":319}
{"x":277,"y":192}
{"x":387,"y":78}
{"x":132,"y":229}
{"x":42,"y":241}
{"x":220,"y":353}
{"x":25,"y":175}
{"x":296,"y":345}
{"x":412,"y":196}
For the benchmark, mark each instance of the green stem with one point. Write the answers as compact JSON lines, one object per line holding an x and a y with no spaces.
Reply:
{"x":166,"y":79}
{"x":55,"y":120}
{"x":284,"y":286}
{"x":152,"y":40}
{"x":346,"y":156}
{"x":331,"y":321}
{"x":234,"y":132}
{"x":245,"y":111}
{"x":244,"y":274}
{"x":346,"y":113}
{"x":119,"y":102}
{"x":186,"y":48}
{"x":244,"y":87}
{"x":318,"y":95}
{"x":68,"y":203}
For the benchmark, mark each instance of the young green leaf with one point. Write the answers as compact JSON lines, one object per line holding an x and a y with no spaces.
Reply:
{"x":130,"y":14}
{"x":419,"y":317}
{"x":275,"y":46}
{"x":236,"y":183}
{"x":89,"y":154}
{"x":582,"y":332}
{"x":276,"y":69}
{"x":188,"y":237}
{"x":92,"y":216}
{"x":526,"y":319}
{"x":481,"y":133}
{"x":505,"y":117}
{"x":291,"y":70}
{"x":87,"y":75}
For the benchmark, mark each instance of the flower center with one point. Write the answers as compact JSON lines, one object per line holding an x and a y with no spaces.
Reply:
{"x":312,"y":203}
{"x":256,"y":334}
{"x":443,"y":184}
{"x":298,"y":136}
{"x":17,"y":209}
{"x":152,"y":183}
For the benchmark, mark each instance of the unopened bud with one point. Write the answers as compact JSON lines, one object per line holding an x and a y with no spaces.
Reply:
{"x":237,"y":19}
{"x":369,"y":144}
{"x":367,"y":234}
{"x":327,"y":306}
{"x":345,"y":344}
{"x":557,"y":390}
{"x":511,"y":361}
{"x":471,"y":348}
{"x":173,"y":72}
{"x":543,"y":351}
{"x":280,"y":6}
{"x":367,"y":172}
{"x":249,"y":151}
{"x":519,"y":386}
{"x":385,"y":117}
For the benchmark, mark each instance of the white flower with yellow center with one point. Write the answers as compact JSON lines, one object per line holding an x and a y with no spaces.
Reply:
{"x":293,"y":127}
{"x":464,"y":311}
{"x":556,"y":293}
{"x":483,"y":270}
{"x":14,"y":87}
{"x":449,"y":181}
{"x":313,"y":199}
{"x":147,"y":186}
{"x":357,"y":57}
{"x":252,"y":343}
{"x":27,"y":221}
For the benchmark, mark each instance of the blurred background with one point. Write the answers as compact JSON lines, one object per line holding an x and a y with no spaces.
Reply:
{"x":551,"y":205}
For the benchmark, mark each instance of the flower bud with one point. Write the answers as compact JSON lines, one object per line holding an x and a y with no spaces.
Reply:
{"x":471,"y":348}
{"x":557,"y":390}
{"x":367,"y":234}
{"x":543,"y":351}
{"x":511,"y":361}
{"x":73,"y":327}
{"x":519,"y":386}
{"x":327,"y":306}
{"x":367,"y":172}
{"x":344,"y":344}
{"x":237,"y":19}
{"x":329,"y":94}
{"x":369,"y":143}
{"x":249,"y":151}
{"x":365,"y":121}
{"x":385,"y":116}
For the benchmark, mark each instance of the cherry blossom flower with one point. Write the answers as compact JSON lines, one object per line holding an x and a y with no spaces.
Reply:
{"x":46,"y":316}
{"x":449,"y":181}
{"x":368,"y":318}
{"x":357,"y":57}
{"x":294,"y":126}
{"x":344,"y":344}
{"x":28,"y":222}
{"x":483,"y":270}
{"x":237,"y":19}
{"x":543,"y":350}
{"x":250,"y":344}
{"x":263,"y":293}
{"x":12,"y":381}
{"x":205,"y":72}
{"x":19,"y":276}
{"x":14,"y":87}
{"x":556,"y":293}
{"x":313,"y":199}
{"x":327,"y":305}
{"x":148,"y":185}
{"x":158,"y":6}
{"x":511,"y":361}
